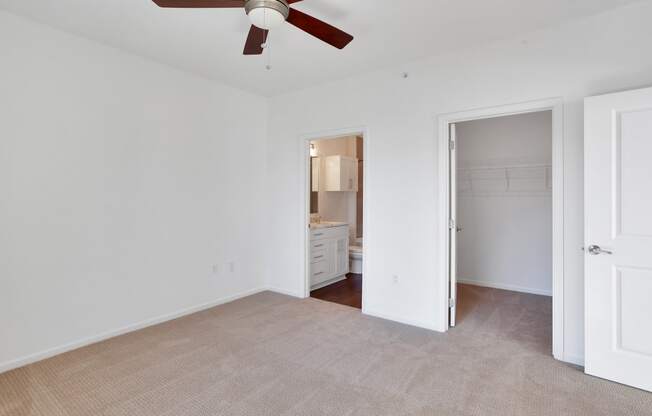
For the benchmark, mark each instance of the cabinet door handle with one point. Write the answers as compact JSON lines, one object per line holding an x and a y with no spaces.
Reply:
{"x":317,"y":274}
{"x":319,"y":234}
{"x":319,"y":245}
{"x":319,"y":257}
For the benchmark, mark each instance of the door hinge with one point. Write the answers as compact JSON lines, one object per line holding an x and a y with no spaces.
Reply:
{"x":451,"y":224}
{"x":451,"y":144}
{"x":451,"y":303}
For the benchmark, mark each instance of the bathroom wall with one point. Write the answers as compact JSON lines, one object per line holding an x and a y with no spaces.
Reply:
{"x":505,"y":202}
{"x":337,"y":206}
{"x":359,"y":146}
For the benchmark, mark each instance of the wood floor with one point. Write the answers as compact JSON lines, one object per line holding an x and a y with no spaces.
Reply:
{"x":346,"y":292}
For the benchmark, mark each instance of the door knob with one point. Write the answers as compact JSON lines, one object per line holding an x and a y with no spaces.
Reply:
{"x":597,"y":250}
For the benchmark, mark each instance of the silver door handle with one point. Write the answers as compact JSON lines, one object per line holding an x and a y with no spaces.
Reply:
{"x":597,"y":250}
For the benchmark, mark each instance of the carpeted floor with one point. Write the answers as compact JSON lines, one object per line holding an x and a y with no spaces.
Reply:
{"x":273,"y":355}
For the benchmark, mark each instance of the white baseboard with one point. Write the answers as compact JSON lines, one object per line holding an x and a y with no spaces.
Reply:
{"x":574,"y":359}
{"x":513,"y":288}
{"x":420,"y":324}
{"x":285,"y":292}
{"x":32,"y":358}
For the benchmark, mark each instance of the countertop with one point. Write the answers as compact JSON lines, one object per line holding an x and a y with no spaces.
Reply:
{"x":327,"y":224}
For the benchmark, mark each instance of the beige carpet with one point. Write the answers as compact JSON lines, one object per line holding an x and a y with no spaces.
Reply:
{"x":274,"y":355}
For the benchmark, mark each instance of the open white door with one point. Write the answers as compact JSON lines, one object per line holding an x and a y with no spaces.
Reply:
{"x":618,"y":214}
{"x":452,"y":225}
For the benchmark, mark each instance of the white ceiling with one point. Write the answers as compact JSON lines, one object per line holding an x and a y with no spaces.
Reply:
{"x":387,"y":32}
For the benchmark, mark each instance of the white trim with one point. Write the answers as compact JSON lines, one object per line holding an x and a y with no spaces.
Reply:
{"x":574,"y":359}
{"x":284,"y":292}
{"x":400,"y":320}
{"x":329,"y":282}
{"x":42,"y":355}
{"x":556,"y":105}
{"x":304,"y":201}
{"x":503,"y":286}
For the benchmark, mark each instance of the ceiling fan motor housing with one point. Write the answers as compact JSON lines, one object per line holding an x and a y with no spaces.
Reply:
{"x":280,"y":6}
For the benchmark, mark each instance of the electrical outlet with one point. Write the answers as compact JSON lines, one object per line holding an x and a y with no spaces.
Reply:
{"x":217,"y":269}
{"x":395,"y":279}
{"x":231,"y":266}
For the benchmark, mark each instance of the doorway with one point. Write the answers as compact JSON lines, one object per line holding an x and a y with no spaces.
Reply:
{"x":335,"y":250}
{"x":503,"y":226}
{"x":499,"y":185}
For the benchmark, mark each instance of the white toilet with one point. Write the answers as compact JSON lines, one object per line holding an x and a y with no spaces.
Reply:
{"x":355,"y":256}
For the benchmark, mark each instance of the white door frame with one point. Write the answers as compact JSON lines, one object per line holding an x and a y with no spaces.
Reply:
{"x":305,"y":188}
{"x":557,"y":107}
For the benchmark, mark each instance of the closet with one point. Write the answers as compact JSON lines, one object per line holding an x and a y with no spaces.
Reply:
{"x":504,"y":202}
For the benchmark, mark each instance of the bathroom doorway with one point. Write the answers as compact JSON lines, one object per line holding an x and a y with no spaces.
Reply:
{"x":335,"y":227}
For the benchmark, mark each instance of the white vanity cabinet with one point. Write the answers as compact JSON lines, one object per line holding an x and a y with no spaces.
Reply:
{"x":329,"y":254}
{"x":341,"y":174}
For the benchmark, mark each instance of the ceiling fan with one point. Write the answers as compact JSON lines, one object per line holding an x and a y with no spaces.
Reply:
{"x":266,"y":15}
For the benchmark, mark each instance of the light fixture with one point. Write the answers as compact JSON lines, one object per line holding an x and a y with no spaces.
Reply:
{"x":267,"y":14}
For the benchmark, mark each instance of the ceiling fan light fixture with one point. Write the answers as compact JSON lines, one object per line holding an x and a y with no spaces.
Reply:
{"x":267,"y":14}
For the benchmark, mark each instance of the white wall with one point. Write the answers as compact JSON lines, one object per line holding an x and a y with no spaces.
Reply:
{"x":505,"y":202}
{"x":595,"y":55}
{"x":121,"y":183}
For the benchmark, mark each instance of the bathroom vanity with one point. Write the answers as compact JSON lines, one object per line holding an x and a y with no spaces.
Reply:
{"x":329,"y":253}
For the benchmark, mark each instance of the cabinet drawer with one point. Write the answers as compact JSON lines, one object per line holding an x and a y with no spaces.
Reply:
{"x":320,"y":234}
{"x":328,"y":233}
{"x":318,"y":255}
{"x":319,"y":272}
{"x":318,"y":245}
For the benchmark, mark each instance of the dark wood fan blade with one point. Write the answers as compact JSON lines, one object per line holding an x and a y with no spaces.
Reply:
{"x":255,"y":40}
{"x":200,"y":3}
{"x":320,"y":30}
{"x":293,"y":1}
